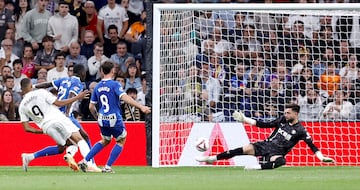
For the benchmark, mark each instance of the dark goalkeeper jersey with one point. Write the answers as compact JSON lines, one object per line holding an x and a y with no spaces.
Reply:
{"x":286,"y":136}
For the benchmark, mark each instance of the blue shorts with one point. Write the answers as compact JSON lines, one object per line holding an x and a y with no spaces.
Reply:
{"x":113,"y":131}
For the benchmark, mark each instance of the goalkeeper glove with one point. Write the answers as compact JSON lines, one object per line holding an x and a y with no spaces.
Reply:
{"x":239,"y":116}
{"x":320,"y":156}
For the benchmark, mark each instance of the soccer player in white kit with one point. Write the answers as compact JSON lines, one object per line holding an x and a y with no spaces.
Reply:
{"x":41,"y":107}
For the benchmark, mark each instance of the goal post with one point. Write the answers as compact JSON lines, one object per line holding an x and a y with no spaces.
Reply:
{"x":206,"y":65}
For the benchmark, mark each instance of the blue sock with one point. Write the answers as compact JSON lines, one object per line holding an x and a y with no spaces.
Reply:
{"x":89,"y":143}
{"x":94,"y":150}
{"x":48,"y":151}
{"x":115,"y":153}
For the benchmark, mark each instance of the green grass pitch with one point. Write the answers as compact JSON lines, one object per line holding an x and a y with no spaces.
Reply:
{"x":138,"y":178}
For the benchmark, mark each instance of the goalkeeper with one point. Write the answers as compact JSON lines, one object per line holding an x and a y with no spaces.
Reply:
{"x":288,"y":132}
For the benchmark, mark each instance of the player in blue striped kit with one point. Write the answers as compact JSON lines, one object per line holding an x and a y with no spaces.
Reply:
{"x":69,"y":87}
{"x":106,"y":97}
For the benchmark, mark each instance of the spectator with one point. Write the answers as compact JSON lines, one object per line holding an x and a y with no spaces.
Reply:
{"x":306,"y":81}
{"x":63,"y":27}
{"x":132,"y":113}
{"x":112,"y":13}
{"x":95,"y":61}
{"x":205,"y":23}
{"x":344,"y":53}
{"x":22,"y":7}
{"x":41,"y":76}
{"x":256,"y":76}
{"x":70,"y":69}
{"x":9,"y":85}
{"x":77,"y":9}
{"x":45,"y":57}
{"x":7,"y":106}
{"x":136,"y":31}
{"x":18,"y":76}
{"x":350,"y":70}
{"x":142,"y":92}
{"x":18,"y":47}
{"x":296,"y":39}
{"x":248,"y":43}
{"x":133,"y":78}
{"x":287,"y":87}
{"x":87,"y":47}
{"x":339,"y":108}
{"x":5,"y":71}
{"x":121,"y":56}
{"x":210,"y":92}
{"x":121,"y":79}
{"x":310,"y":106}
{"x":59,"y":71}
{"x":135,"y":10}
{"x":89,"y":21}
{"x":28,"y":61}
{"x":7,"y":20}
{"x":110,"y":43}
{"x":35,"y":24}
{"x":218,"y":70}
{"x":268,"y":103}
{"x":329,"y":81}
{"x":207,"y":47}
{"x":74,"y":57}
{"x":7,"y":58}
{"x":303,"y":61}
{"x":221,"y":46}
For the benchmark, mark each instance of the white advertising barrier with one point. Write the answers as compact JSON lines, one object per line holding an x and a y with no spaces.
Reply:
{"x":230,"y":135}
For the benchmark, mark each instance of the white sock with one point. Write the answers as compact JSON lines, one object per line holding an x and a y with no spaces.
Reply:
{"x":72,"y":150}
{"x":212,"y":158}
{"x":31,"y":157}
{"x":84,"y":148}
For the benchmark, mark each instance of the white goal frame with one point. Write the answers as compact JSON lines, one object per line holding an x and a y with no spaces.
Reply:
{"x":157,"y":8}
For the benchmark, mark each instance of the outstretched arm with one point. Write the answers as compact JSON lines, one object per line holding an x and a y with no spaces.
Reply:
{"x":316,"y":151}
{"x":30,"y":129}
{"x":132,"y":102}
{"x":239,"y":116}
{"x":43,"y":85}
{"x":80,"y":96}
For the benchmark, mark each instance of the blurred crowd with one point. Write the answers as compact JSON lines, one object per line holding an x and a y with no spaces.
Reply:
{"x":44,"y":39}
{"x":259,"y":61}
{"x":246,"y":61}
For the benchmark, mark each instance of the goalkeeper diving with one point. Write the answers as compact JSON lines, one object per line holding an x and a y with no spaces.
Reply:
{"x":272,"y":151}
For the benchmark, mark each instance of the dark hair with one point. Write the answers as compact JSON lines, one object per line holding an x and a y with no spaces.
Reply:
{"x":63,"y":3}
{"x":60,"y":54}
{"x":78,"y":69}
{"x":106,"y":67}
{"x":18,"y":11}
{"x":113,"y":26}
{"x":10,"y":114}
{"x":17,"y":61}
{"x":47,"y":38}
{"x":131,"y":91}
{"x":24,"y":83}
{"x":293,"y":107}
{"x":8,"y":77}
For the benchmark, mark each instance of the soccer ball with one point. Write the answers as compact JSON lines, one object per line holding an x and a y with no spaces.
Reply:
{"x":202,"y":144}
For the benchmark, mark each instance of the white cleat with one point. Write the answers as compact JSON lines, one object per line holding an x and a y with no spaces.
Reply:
{"x":204,"y":159}
{"x":252,"y":167}
{"x":93,"y":168}
{"x":70,"y":160}
{"x":26,"y":158}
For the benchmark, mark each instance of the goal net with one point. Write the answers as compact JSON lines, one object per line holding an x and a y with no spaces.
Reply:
{"x":212,"y":59}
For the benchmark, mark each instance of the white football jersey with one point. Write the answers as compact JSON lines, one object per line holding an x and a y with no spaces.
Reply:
{"x":38,"y":106}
